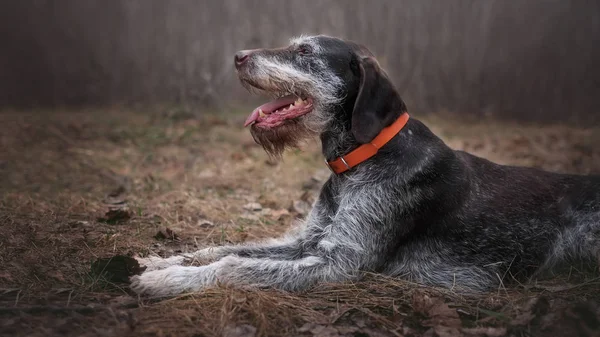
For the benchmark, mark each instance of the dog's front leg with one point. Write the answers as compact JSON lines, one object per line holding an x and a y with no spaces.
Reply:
{"x":238,"y":271}
{"x":285,"y":248}
{"x":352,"y":242}
{"x":288,"y":247}
{"x":328,"y":264}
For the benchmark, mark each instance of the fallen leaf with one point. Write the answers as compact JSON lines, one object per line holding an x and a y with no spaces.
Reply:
{"x":160,"y":236}
{"x":318,"y":330}
{"x":533,"y":310}
{"x":484,"y":331}
{"x":237,"y":156}
{"x":243,"y":330}
{"x":117,"y":192}
{"x":56,"y":275}
{"x":360,"y":322}
{"x":443,"y":331}
{"x":207,"y":173}
{"x":253,"y":206}
{"x":124,"y":301}
{"x":117,"y":269}
{"x":272,"y":162}
{"x":325,"y":331}
{"x":116,"y":198}
{"x":203,"y":223}
{"x":345,"y":330}
{"x":369,"y":332}
{"x":279,"y":214}
{"x":576,"y":319}
{"x":172,"y":235}
{"x":443,"y":320}
{"x":307,"y":197}
{"x":167,"y":235}
{"x":300,"y":207}
{"x":116,"y":216}
{"x":307,"y":327}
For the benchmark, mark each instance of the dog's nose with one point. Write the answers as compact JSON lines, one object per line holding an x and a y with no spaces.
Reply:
{"x":241,"y":57}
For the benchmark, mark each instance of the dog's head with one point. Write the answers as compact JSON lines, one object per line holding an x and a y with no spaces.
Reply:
{"x":318,"y":83}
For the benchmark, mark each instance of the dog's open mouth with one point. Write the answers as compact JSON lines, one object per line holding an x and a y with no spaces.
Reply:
{"x":280,"y":110}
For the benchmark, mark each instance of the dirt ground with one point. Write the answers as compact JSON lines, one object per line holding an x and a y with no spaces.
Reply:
{"x":81,"y":186}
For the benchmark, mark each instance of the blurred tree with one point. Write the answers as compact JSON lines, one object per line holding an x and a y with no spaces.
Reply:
{"x":533,"y":60}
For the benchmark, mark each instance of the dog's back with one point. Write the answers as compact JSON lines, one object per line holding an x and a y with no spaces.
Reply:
{"x":487,"y":222}
{"x":534,"y":211}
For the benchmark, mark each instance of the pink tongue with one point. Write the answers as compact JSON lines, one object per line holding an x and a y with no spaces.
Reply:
{"x":268,"y":108}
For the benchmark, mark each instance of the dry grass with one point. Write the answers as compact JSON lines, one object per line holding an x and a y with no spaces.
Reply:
{"x":197,"y":176}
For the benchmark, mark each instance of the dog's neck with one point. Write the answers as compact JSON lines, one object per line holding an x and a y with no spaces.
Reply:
{"x":360,"y":153}
{"x":367,"y":150}
{"x":337,"y":140}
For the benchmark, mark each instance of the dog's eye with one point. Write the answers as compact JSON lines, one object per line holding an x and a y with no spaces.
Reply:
{"x":303,"y":50}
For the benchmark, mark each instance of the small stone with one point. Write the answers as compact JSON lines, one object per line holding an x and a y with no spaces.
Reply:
{"x":207,"y":173}
{"x":253,"y":206}
{"x":279,"y":214}
{"x":307,"y":327}
{"x":203,"y":223}
{"x":243,"y":330}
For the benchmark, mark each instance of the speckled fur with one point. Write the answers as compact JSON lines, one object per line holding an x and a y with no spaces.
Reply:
{"x":417,"y":210}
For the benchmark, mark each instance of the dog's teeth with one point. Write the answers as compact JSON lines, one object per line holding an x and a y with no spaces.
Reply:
{"x":261,"y":113}
{"x":291,"y":105}
{"x":298,"y":101}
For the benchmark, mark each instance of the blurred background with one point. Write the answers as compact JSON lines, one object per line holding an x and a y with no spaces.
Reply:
{"x":121,"y":132}
{"x":535,"y":60}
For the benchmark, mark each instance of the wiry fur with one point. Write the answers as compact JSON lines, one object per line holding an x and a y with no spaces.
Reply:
{"x":276,"y":140}
{"x":417,"y":210}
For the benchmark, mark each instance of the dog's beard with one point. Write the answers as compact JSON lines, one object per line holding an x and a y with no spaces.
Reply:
{"x":294,"y":132}
{"x":290,"y":135}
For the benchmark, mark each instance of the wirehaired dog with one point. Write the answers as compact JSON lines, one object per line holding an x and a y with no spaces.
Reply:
{"x":399,"y":201}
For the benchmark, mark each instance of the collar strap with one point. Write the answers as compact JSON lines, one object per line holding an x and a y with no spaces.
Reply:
{"x":368,"y":150}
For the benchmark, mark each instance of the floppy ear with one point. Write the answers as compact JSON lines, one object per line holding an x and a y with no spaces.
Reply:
{"x":378,"y":103}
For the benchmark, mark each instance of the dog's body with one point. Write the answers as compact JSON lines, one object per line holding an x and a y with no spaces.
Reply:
{"x":417,"y":209}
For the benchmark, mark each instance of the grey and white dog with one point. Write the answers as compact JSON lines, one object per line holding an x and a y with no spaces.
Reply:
{"x":416,"y":210}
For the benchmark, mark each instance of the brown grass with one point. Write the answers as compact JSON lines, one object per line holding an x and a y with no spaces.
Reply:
{"x":61,"y":172}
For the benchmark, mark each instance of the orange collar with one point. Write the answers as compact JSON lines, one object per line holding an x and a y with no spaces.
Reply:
{"x":368,"y":150}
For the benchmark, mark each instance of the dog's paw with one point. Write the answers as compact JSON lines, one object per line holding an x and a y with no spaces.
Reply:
{"x":171,"y":281}
{"x":207,"y":255}
{"x":156,"y":262}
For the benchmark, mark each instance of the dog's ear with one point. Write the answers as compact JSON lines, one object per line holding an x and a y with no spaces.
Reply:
{"x":377,"y":104}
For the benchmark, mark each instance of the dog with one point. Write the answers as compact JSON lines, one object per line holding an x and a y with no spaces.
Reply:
{"x":399,"y":201}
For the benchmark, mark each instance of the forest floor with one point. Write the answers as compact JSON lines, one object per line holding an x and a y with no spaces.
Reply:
{"x":77,"y":187}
